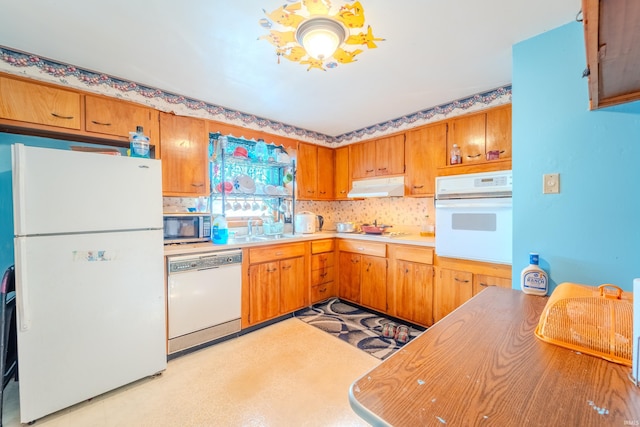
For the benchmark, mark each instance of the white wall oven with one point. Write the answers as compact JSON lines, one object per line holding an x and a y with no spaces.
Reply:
{"x":474,"y":216}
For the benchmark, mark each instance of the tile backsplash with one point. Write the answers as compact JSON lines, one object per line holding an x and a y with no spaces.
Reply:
{"x":400,"y":212}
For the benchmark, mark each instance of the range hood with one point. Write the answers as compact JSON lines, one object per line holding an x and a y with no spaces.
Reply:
{"x":377,"y":187}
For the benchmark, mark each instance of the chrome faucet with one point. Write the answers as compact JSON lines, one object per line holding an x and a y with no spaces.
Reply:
{"x":249,"y":228}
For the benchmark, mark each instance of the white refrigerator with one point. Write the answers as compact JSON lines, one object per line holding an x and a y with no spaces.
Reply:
{"x":89,"y":275}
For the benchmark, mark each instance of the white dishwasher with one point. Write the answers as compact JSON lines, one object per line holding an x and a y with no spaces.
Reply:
{"x":204,"y":297}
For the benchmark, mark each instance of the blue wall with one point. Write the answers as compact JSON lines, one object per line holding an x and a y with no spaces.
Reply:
{"x":590,"y":232}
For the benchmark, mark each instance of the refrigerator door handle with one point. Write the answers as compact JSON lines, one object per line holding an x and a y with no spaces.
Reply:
{"x":22,"y":288}
{"x":19,"y":217}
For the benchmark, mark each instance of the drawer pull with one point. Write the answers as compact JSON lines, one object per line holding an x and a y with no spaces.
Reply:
{"x":355,"y":261}
{"x":382,"y":169}
{"x":370,"y":170}
{"x":271,"y":270}
{"x":100,"y":124}
{"x":324,"y":274}
{"x":486,"y":285}
{"x":460,"y":280}
{"x":287,"y":267}
{"x":474,"y":156}
{"x":62,"y":117}
{"x":195,"y":184}
{"x":368,"y":267}
{"x":323,"y":290}
{"x":418,"y":186}
{"x":343,"y":191}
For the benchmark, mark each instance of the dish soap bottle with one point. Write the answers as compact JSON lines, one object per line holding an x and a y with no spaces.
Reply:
{"x":456,"y":156}
{"x":220,"y":230}
{"x":533,"y":279}
{"x":139,"y":143}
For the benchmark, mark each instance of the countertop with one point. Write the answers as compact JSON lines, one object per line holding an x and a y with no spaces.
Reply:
{"x":482,"y":365}
{"x":194,"y":248}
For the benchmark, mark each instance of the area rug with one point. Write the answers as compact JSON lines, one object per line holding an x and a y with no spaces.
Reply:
{"x":356,"y":326}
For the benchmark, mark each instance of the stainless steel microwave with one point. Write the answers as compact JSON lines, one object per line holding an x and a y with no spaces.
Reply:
{"x":186,"y":228}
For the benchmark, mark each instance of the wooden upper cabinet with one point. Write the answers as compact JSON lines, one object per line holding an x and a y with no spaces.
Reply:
{"x":479,"y":134}
{"x":380,"y":157}
{"x":468,"y":132}
{"x":184,"y":150}
{"x":425,"y":153}
{"x":499,"y":131}
{"x":363,"y":160}
{"x":325,"y":174}
{"x":307,"y":171}
{"x":612,"y":38}
{"x":341,"y":173}
{"x":390,"y":155}
{"x":315,"y":178}
{"x":39,"y":104}
{"x":118,"y":118}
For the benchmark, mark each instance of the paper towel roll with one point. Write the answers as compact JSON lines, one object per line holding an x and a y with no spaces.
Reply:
{"x":635,"y":369}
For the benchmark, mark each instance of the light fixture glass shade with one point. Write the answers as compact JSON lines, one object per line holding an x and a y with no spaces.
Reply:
{"x":320,"y":37}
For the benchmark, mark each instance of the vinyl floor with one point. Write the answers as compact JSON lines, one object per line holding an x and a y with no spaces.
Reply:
{"x":286,"y":374}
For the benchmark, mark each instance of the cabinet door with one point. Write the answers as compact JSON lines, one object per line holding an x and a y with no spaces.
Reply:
{"x":482,"y":281}
{"x":363,"y":160}
{"x":452,"y":289}
{"x":469,"y":133}
{"x":390,"y":156}
{"x":349,"y":276}
{"x":373,"y":282}
{"x":414,"y":292}
{"x":425,"y":153}
{"x":325,"y":173}
{"x":184,"y":151}
{"x":294,"y":292}
{"x":118,"y":118}
{"x":40,"y":104}
{"x":264,"y":291}
{"x":342,"y":181}
{"x":307,"y":173}
{"x":499,"y":131}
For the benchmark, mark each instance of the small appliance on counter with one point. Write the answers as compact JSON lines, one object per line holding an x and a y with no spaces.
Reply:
{"x":305,"y":222}
{"x":186,"y":228}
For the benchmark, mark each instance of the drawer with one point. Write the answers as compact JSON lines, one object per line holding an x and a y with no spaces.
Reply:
{"x":322,"y":276}
{"x":323,"y":291}
{"x":322,"y":260}
{"x":413,"y":253}
{"x":275,"y":252}
{"x":319,"y":246}
{"x":360,"y":247}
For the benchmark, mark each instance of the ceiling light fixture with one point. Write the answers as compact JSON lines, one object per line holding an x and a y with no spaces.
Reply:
{"x":316,"y":36}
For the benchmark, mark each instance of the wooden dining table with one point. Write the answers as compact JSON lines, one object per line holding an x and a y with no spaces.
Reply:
{"x":483,"y":365}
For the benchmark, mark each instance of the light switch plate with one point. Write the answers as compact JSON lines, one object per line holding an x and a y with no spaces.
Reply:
{"x":551,"y":183}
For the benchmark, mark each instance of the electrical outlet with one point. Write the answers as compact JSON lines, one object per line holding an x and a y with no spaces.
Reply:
{"x":551,"y":183}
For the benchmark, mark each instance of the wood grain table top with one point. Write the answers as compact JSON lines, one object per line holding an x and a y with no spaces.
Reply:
{"x":483,"y":365}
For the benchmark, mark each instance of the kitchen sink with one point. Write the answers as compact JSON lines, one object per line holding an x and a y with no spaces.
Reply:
{"x":262,"y":238}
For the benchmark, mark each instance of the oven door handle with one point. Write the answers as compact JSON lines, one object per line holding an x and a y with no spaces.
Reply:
{"x":504,"y":202}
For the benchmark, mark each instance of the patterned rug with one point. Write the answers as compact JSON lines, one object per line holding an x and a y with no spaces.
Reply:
{"x":354,"y":325}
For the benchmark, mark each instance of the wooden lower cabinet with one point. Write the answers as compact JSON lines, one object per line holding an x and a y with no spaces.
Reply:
{"x":373,"y":282}
{"x":349,"y":277}
{"x":275,"y":282}
{"x":323,"y":285}
{"x":363,"y":273}
{"x":452,"y":289}
{"x":411,"y":283}
{"x":459,"y":280}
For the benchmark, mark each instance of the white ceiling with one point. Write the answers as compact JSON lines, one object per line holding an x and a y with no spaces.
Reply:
{"x":435,"y":51}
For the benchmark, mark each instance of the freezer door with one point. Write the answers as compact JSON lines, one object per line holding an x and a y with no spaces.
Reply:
{"x":60,"y":191}
{"x":90,"y":313}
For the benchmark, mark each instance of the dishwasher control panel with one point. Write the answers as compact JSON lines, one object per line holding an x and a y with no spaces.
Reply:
{"x":204,"y":261}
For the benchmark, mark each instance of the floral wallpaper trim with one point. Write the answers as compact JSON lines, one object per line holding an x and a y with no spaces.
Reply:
{"x":34,"y":66}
